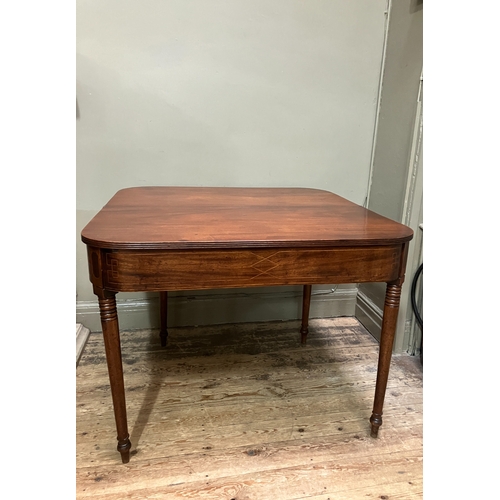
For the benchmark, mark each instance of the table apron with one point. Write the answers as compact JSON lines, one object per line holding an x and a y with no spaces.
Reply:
{"x":158,"y":270}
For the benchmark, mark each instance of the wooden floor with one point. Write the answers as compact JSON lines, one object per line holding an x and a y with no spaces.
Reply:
{"x":245,"y":412}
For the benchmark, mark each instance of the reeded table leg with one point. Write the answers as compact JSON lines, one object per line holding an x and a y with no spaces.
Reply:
{"x":306,"y":302}
{"x":391,"y":308}
{"x":163,"y":318}
{"x":111,"y":334}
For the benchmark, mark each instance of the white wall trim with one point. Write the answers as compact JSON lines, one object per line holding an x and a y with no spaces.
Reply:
{"x":369,"y":315}
{"x":221,"y":308}
{"x":82,"y":335}
{"x":379,"y":101}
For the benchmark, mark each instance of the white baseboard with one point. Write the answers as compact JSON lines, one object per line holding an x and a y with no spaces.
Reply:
{"x":221,"y":308}
{"x":82,"y":335}
{"x":369,"y":314}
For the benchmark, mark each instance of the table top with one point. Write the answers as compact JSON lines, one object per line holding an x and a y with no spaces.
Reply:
{"x":211,"y":217}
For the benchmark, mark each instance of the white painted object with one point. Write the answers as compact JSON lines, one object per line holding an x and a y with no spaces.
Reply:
{"x":82,"y":335}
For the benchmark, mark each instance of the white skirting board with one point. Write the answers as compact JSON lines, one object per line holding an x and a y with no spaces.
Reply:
{"x":82,"y":334}
{"x":224,"y":307}
{"x":369,"y":315}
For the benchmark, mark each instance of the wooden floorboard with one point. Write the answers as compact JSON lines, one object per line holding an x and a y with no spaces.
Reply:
{"x":245,"y":412}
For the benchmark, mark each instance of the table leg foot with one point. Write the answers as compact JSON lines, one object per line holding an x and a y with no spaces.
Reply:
{"x":163,"y":338}
{"x":376,"y":422}
{"x":303,"y":334}
{"x":306,"y":302}
{"x":163,"y":318}
{"x":124,"y":449}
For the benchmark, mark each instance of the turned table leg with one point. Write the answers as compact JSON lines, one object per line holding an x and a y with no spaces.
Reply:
{"x":111,"y":334}
{"x":163,"y":318}
{"x":306,"y":302}
{"x":391,"y":308}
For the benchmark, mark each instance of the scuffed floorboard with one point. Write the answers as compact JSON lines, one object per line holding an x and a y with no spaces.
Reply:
{"x":245,"y":412}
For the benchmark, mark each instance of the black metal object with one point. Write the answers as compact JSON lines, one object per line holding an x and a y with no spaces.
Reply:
{"x":415,"y":308}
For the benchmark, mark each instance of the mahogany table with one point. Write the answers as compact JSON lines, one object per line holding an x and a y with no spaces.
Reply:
{"x":160,"y":239}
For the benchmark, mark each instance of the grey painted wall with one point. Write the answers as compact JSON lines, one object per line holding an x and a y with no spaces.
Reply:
{"x":392,"y":161}
{"x":224,"y":93}
{"x":398,"y":106}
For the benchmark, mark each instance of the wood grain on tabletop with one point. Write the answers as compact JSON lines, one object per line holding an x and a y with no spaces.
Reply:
{"x":202,"y":217}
